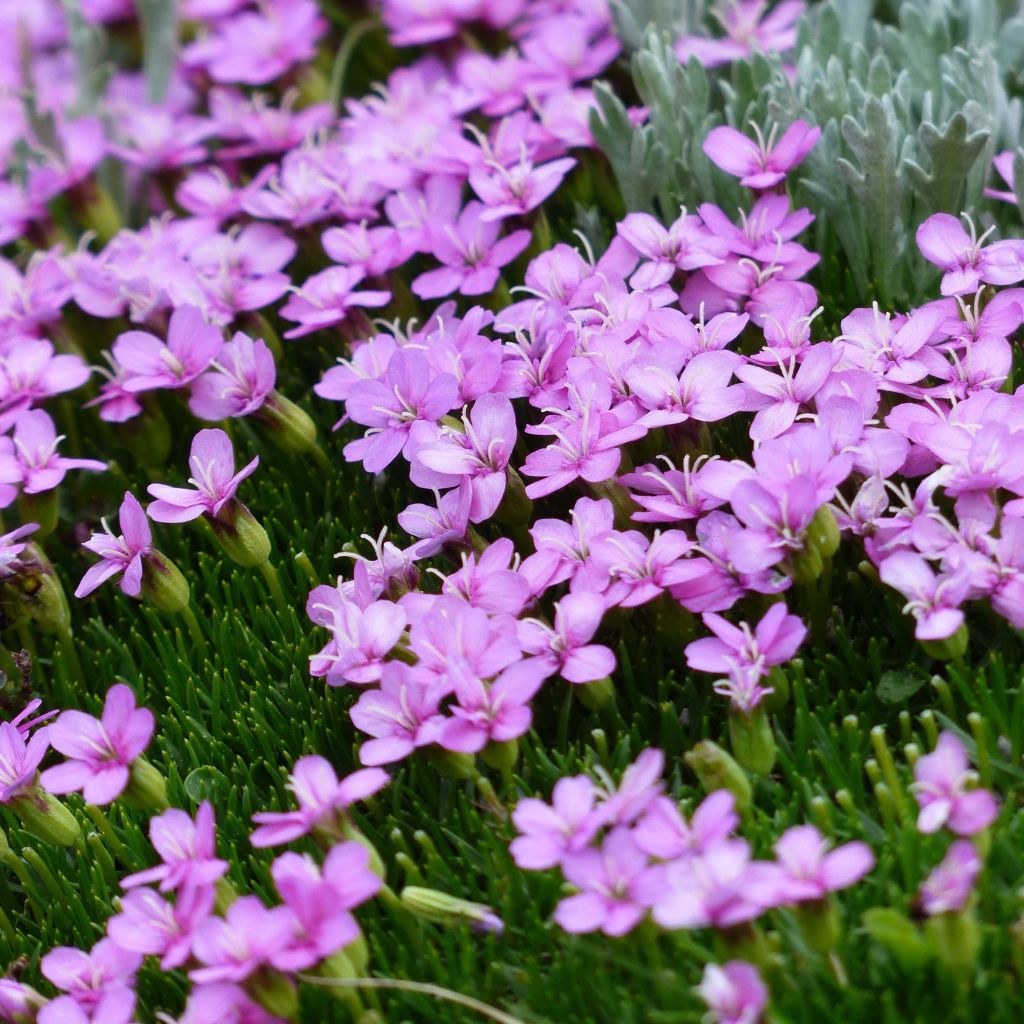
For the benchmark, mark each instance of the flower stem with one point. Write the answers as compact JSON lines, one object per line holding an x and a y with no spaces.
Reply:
{"x":269,"y":573}
{"x":419,"y":987}
{"x":69,"y":653}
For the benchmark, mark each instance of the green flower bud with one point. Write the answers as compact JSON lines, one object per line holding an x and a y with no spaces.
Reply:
{"x":752,"y":739}
{"x":291,"y":427}
{"x":46,"y":817}
{"x":956,"y":938}
{"x":274,"y":992}
{"x":443,"y":908}
{"x":147,"y":437}
{"x":99,"y":212}
{"x":147,"y":788}
{"x":35,"y":591}
{"x":225,"y":894}
{"x":452,"y":764}
{"x":241,"y":536}
{"x":516,"y":508}
{"x":163,"y":584}
{"x":779,"y":697}
{"x":950,"y":649}
{"x":353,"y":834}
{"x":715,"y":769}
{"x":596,"y":695}
{"x":40,"y":508}
{"x":820,"y":924}
{"x":823,"y":532}
{"x":501,"y":756}
{"x":806,"y":566}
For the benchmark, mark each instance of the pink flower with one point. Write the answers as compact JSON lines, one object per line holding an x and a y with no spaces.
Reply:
{"x":514,"y":191}
{"x":19,"y":760}
{"x":96,"y":981}
{"x":808,"y":871}
{"x":31,"y":459}
{"x":748,"y":26}
{"x":565,"y":648}
{"x":551,"y":832}
{"x":664,"y":833}
{"x":615,"y":886}
{"x":124,"y":554}
{"x":100,"y":752}
{"x":239,"y":381}
{"x":401,"y":716}
{"x":212,"y":462}
{"x":321,"y":798}
{"x":1003,"y":163}
{"x":940,"y":785}
{"x":248,"y":937}
{"x":471,"y":253}
{"x":734,"y":992}
{"x":153,"y":926}
{"x":686,"y":244}
{"x":30,"y":372}
{"x":326,"y":298}
{"x":766,"y":162}
{"x":187,"y":848}
{"x":321,"y":905}
{"x":965,"y":262}
{"x":934,"y":601}
{"x":949,"y":886}
{"x":150,"y":363}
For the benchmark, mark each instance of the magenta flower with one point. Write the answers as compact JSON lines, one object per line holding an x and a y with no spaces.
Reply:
{"x":748,"y":26}
{"x":30,"y":458}
{"x":407,"y":393}
{"x":809,"y":871}
{"x":12,"y":545}
{"x":30,"y":373}
{"x":1003,"y":163}
{"x":361,"y":637}
{"x":192,"y":345}
{"x":514,"y":191}
{"x":326,"y":299}
{"x":239,"y":381}
{"x":563,"y":548}
{"x":565,"y":649}
{"x":321,"y":798}
{"x":97,"y":981}
{"x":19,"y":760}
{"x":765,"y":162}
{"x":551,"y":832}
{"x":400,"y":716}
{"x":941,"y":782}
{"x":663,"y":832}
{"x":212,"y":462}
{"x":248,"y":937}
{"x":773,"y":641}
{"x":475,"y":457}
{"x":151,"y":925}
{"x":490,"y":712}
{"x":949,"y":886}
{"x":638,"y":788}
{"x":100,"y":751}
{"x":124,"y":554}
{"x":615,"y":884}
{"x":374,"y":251}
{"x":686,"y":244}
{"x":933,"y":600}
{"x":471,"y":253}
{"x":718,"y":889}
{"x":734,"y":993}
{"x":964,"y":260}
{"x":321,"y":904}
{"x":187,"y":848}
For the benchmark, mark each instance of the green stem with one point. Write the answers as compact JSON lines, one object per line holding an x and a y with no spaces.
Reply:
{"x":102,"y":823}
{"x":194,"y":629}
{"x":69,"y":652}
{"x":269,"y":573}
{"x":420,"y":988}
{"x":342,"y":59}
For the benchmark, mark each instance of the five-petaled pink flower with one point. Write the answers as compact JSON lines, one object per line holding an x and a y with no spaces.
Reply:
{"x":124,"y":554}
{"x":964,"y":259}
{"x":765,"y":162}
{"x":191,"y":346}
{"x":31,"y":459}
{"x":100,"y":751}
{"x":940,"y":785}
{"x":214,"y":480}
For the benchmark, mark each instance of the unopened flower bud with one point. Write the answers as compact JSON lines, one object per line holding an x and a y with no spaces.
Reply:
{"x":949,"y":649}
{"x":163,"y":584}
{"x":501,"y":756}
{"x":715,"y":769}
{"x":451,"y":763}
{"x":146,"y":789}
{"x":596,"y":695}
{"x":778,"y":682}
{"x":806,"y":566}
{"x":516,"y":508}
{"x":42,"y":508}
{"x":274,"y":992}
{"x":752,"y":739}
{"x":443,"y":908}
{"x":241,"y":536}
{"x":35,"y":591}
{"x":291,"y":427}
{"x":46,"y":817}
{"x":956,"y":937}
{"x":820,"y":924}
